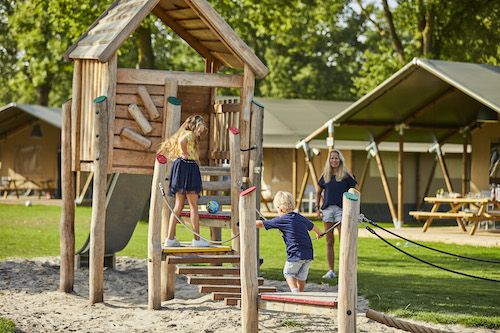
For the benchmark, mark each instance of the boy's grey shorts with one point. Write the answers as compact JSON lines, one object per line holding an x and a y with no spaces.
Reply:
{"x":297,"y":269}
{"x":332,"y":213}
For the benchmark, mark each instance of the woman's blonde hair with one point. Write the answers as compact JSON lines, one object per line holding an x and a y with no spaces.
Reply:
{"x":284,"y":201}
{"x":171,"y":148}
{"x":342,"y":170}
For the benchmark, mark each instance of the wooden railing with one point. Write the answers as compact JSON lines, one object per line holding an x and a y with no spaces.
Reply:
{"x":225,"y":115}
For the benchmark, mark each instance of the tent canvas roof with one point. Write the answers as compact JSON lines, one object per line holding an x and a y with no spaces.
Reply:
{"x":15,"y":116}
{"x":431,"y":99}
{"x":195,"y":21}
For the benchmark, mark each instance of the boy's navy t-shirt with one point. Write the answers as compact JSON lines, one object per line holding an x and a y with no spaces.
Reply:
{"x":334,"y":190}
{"x":294,"y":228}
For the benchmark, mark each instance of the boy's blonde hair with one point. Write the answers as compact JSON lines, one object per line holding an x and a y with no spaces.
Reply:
{"x":284,"y":201}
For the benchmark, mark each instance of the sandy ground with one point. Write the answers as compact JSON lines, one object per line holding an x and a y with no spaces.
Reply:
{"x":28,"y":296}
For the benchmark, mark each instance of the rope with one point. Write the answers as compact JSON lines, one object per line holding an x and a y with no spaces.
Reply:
{"x":162,"y":191}
{"x":428,"y":247}
{"x":401,"y":324}
{"x":429,"y":263}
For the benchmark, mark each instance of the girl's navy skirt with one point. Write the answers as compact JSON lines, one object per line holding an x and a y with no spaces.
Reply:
{"x":185,"y":177}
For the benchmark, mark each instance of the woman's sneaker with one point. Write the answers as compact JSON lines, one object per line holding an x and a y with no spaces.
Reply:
{"x":329,"y":275}
{"x":171,"y":243}
{"x":200,"y":243}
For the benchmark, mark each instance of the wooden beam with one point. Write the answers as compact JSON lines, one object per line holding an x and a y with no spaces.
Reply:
{"x":156,"y":77}
{"x":97,"y":226}
{"x":444,"y":169}
{"x":401,"y":179}
{"x":172,"y":122}
{"x":111,"y":95}
{"x":246,"y":98}
{"x":294,"y":174}
{"x":236,"y":183}
{"x":76,"y":102}
{"x":148,"y":103}
{"x":227,"y":35}
{"x":67,"y":224}
{"x":366,"y":167}
{"x":385,"y":184}
{"x":302,"y":189}
{"x":429,"y":182}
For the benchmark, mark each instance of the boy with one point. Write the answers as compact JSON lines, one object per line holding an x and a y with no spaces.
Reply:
{"x":294,"y":228}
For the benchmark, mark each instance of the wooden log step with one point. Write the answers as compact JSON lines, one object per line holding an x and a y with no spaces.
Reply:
{"x":204,"y":259}
{"x":232,"y":289}
{"x":316,"y":303}
{"x":231,"y":301}
{"x":219,"y":280}
{"x":208,"y":270}
{"x":215,"y":171}
{"x":222,"y":296}
{"x":216,"y":185}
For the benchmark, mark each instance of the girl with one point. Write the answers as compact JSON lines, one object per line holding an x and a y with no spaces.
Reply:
{"x":335,"y":180}
{"x":185,"y":177}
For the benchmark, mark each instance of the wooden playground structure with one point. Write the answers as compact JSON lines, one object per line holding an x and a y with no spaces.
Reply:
{"x":117,"y":117}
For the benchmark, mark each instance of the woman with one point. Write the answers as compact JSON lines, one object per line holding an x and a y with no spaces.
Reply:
{"x":334,"y":181}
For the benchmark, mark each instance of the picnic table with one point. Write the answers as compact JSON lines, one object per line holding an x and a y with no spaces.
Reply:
{"x":463,"y":210}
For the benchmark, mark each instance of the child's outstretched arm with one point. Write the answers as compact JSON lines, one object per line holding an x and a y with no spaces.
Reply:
{"x":318,"y":232}
{"x":259,"y":224}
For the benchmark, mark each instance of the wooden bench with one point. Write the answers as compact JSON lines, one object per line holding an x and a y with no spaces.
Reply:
{"x":441,"y":215}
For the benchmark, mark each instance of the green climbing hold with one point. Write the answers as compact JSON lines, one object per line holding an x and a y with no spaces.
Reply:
{"x":351,"y":196}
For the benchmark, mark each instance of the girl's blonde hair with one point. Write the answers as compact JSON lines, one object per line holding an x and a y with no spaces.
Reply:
{"x":342,"y":170}
{"x":170,"y":148}
{"x":284,"y":201}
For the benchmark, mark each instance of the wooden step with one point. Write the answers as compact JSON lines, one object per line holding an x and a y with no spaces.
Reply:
{"x":316,"y":303}
{"x":221,"y":199}
{"x":219,"y":280}
{"x":210,"y":270}
{"x":231,"y":301}
{"x":215,"y":171}
{"x":222,"y":296}
{"x":218,"y":185}
{"x":232,"y":289}
{"x":186,"y":248}
{"x":204,"y":259}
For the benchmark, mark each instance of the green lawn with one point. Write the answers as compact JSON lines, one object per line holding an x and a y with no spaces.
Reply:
{"x":391,"y":281}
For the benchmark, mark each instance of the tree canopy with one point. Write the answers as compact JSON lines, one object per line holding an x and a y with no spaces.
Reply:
{"x":315,"y":49}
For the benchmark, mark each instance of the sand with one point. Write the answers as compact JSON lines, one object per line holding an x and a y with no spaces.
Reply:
{"x":29,"y":297}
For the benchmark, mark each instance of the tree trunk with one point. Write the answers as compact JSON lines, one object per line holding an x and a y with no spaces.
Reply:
{"x":428,"y":32}
{"x":44,"y":90}
{"x":396,"y":42}
{"x":145,"y":55}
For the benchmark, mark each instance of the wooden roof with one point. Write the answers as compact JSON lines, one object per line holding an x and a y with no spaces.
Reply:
{"x":195,"y":21}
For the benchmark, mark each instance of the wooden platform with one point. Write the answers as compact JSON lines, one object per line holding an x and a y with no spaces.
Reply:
{"x":187,"y":248}
{"x":317,"y":303}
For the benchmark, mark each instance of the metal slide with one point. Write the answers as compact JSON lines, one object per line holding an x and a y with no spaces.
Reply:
{"x":126,"y":199}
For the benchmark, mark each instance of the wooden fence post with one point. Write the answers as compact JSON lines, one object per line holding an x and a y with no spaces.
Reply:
{"x":67,"y":226}
{"x":248,"y":267}
{"x":348,"y":263}
{"x":96,"y":261}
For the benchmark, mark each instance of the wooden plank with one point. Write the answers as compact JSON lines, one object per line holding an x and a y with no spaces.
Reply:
{"x":231,"y":301}
{"x":228,"y":36}
{"x":156,"y":77}
{"x":215,"y":171}
{"x":442,"y":215}
{"x":219,"y":280}
{"x":222,"y":296}
{"x":110,"y":91}
{"x":208,"y":270}
{"x":148,"y":103}
{"x":204,"y":34}
{"x":297,"y":308}
{"x":127,"y":30}
{"x":195,"y":23}
{"x":96,"y":260}
{"x":67,"y":222}
{"x":204,"y":259}
{"x":216,"y":46}
{"x":216,"y":185}
{"x":187,"y":248}
{"x":227,"y":59}
{"x":130,"y":89}
{"x":246,"y":98}
{"x":236,"y":177}
{"x":184,"y":13}
{"x":133,"y":158}
{"x":181,"y":31}
{"x":212,"y":223}
{"x":232,"y":289}
{"x":221,"y":199}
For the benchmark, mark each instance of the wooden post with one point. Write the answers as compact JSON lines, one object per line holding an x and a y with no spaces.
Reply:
{"x":310,"y":165}
{"x":294,"y":174}
{"x":428,"y":185}
{"x":171,"y":123}
{"x":155,"y":221}
{"x":246,"y":98}
{"x":236,"y":179}
{"x":67,"y":227}
{"x":97,"y":226}
{"x":442,"y":164}
{"x":302,"y":189}
{"x":366,"y":167}
{"x":464,"y":166}
{"x":76,"y":103}
{"x":348,"y":262}
{"x":400,"y":179}
{"x":249,"y":286}
{"x":385,"y":184}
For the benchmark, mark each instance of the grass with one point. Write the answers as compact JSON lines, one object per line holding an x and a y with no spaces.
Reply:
{"x":7,"y":326}
{"x":391,"y":281}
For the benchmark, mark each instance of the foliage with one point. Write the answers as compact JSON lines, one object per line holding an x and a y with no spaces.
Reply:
{"x":391,"y":282}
